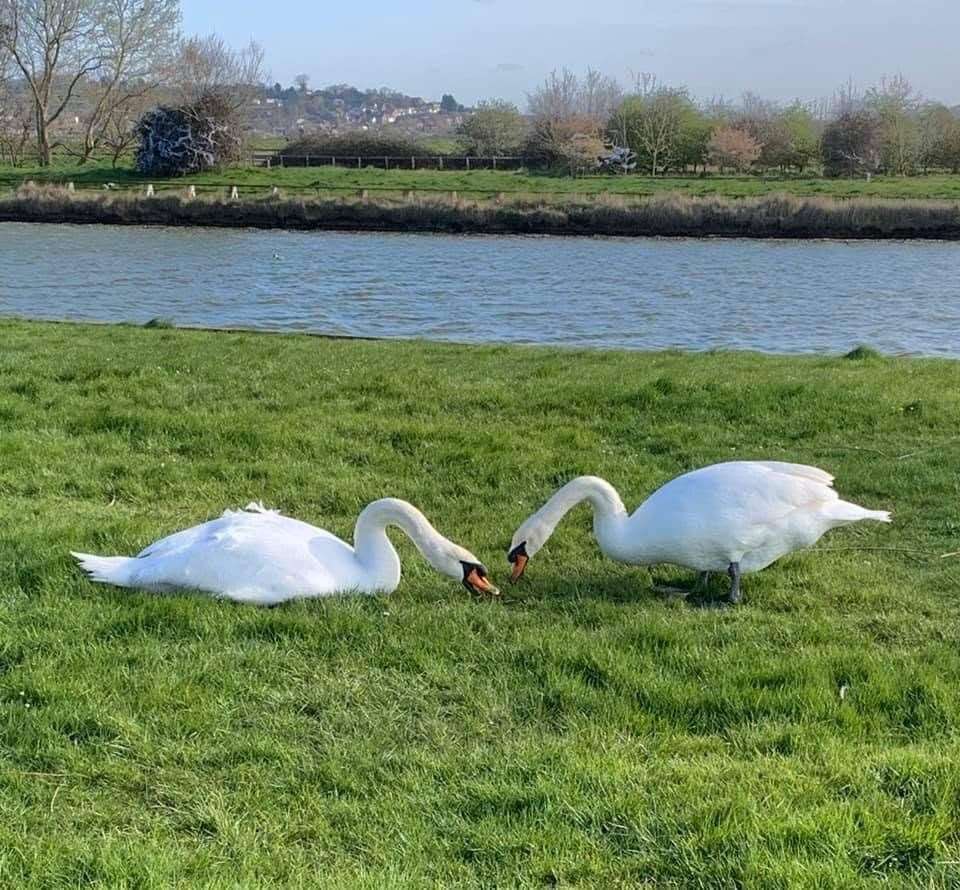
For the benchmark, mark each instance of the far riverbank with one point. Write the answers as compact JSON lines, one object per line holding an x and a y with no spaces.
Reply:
{"x":666,"y":215}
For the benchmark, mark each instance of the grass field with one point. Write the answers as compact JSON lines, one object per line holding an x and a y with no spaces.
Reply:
{"x":488,"y":182}
{"x":582,"y":732}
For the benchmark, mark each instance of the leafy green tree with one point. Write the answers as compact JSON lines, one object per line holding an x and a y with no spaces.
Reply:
{"x":939,"y":130}
{"x":694,"y":138}
{"x":449,"y":104}
{"x":895,"y":105}
{"x":652,"y":124}
{"x":802,"y":142}
{"x":496,"y":127}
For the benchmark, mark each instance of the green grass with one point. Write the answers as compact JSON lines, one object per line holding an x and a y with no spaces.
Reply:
{"x":489,"y":182}
{"x":583,"y":732}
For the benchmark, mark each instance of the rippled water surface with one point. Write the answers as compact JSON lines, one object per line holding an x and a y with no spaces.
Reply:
{"x":778,"y":296}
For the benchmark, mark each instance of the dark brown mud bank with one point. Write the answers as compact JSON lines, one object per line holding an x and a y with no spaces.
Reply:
{"x":777,"y":216}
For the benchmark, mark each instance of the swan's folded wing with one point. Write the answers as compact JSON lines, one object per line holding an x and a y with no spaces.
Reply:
{"x":243,"y":554}
{"x":254,"y":516}
{"x":800,"y":470}
{"x":778,"y":496}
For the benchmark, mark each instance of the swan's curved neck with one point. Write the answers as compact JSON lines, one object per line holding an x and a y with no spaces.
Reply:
{"x":609,"y":514}
{"x":373,"y":548}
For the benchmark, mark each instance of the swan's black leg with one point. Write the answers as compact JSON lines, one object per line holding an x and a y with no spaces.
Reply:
{"x":734,"y":572}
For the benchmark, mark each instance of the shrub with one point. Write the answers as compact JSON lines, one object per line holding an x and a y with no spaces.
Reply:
{"x":190,"y":138}
{"x":734,"y":148}
{"x":851,"y":144}
{"x":358,"y":145}
{"x":570,"y":143}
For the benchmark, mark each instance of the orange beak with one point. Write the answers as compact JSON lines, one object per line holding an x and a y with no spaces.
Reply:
{"x":479,"y":584}
{"x":519,"y":564}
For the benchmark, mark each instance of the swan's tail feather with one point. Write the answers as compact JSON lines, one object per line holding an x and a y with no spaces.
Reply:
{"x":116,"y":570}
{"x":844,"y":511}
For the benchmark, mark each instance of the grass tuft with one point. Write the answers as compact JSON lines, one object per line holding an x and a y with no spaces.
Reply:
{"x":863,"y":353}
{"x":159,"y":322}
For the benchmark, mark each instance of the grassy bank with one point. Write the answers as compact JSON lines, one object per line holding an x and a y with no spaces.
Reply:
{"x":582,"y":732}
{"x":774,"y":216}
{"x":484,"y":183}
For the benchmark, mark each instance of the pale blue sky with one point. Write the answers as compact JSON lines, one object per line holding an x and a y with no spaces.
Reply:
{"x":491,"y":48}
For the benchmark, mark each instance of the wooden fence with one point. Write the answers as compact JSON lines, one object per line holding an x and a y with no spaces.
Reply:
{"x":270,"y":159}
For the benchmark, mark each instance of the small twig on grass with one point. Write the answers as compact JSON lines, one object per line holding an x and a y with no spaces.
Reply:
{"x":949,"y":555}
{"x":53,"y":799}
{"x":914,"y":550}
{"x":841,"y":446}
{"x":925,"y":450}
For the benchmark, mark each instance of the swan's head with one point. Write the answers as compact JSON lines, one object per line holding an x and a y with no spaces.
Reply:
{"x":527,"y":541}
{"x":460,"y":564}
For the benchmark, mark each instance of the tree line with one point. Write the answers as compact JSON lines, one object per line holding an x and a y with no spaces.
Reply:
{"x":89,"y":77}
{"x":572,"y":122}
{"x":79,"y":75}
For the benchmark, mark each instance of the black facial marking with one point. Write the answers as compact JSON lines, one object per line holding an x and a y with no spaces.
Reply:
{"x":519,"y":550}
{"x":468,"y":568}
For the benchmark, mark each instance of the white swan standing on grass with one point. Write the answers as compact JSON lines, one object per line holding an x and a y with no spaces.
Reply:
{"x":734,"y":517}
{"x":258,"y":556}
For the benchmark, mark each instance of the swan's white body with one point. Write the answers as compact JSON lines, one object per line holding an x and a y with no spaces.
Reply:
{"x":258,"y":556}
{"x":744,"y":513}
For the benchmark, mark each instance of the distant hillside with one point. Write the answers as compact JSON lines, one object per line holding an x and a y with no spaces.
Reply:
{"x":293,"y":111}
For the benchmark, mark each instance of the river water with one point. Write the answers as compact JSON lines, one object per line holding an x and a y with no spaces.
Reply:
{"x":776,"y":296}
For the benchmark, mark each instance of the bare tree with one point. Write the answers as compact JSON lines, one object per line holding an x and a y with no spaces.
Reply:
{"x":302,"y":81}
{"x":55,"y":45}
{"x":208,"y":66}
{"x":215,"y":85}
{"x":598,"y":96}
{"x":573,"y":143}
{"x":16,"y":119}
{"x":556,"y":98}
{"x":118,"y":134}
{"x":139,"y":38}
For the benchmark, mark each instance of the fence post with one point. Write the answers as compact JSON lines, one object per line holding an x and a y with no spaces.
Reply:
{"x":494,"y":162}
{"x":306,"y":161}
{"x":441,"y":161}
{"x":386,"y":163}
{"x":358,"y":163}
{"x":268,"y":162}
{"x":333,"y":162}
{"x":413,"y":163}
{"x":468,"y":162}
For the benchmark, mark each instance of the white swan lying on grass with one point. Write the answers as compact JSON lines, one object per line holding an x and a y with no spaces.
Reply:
{"x":734,"y":517}
{"x":258,"y":556}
